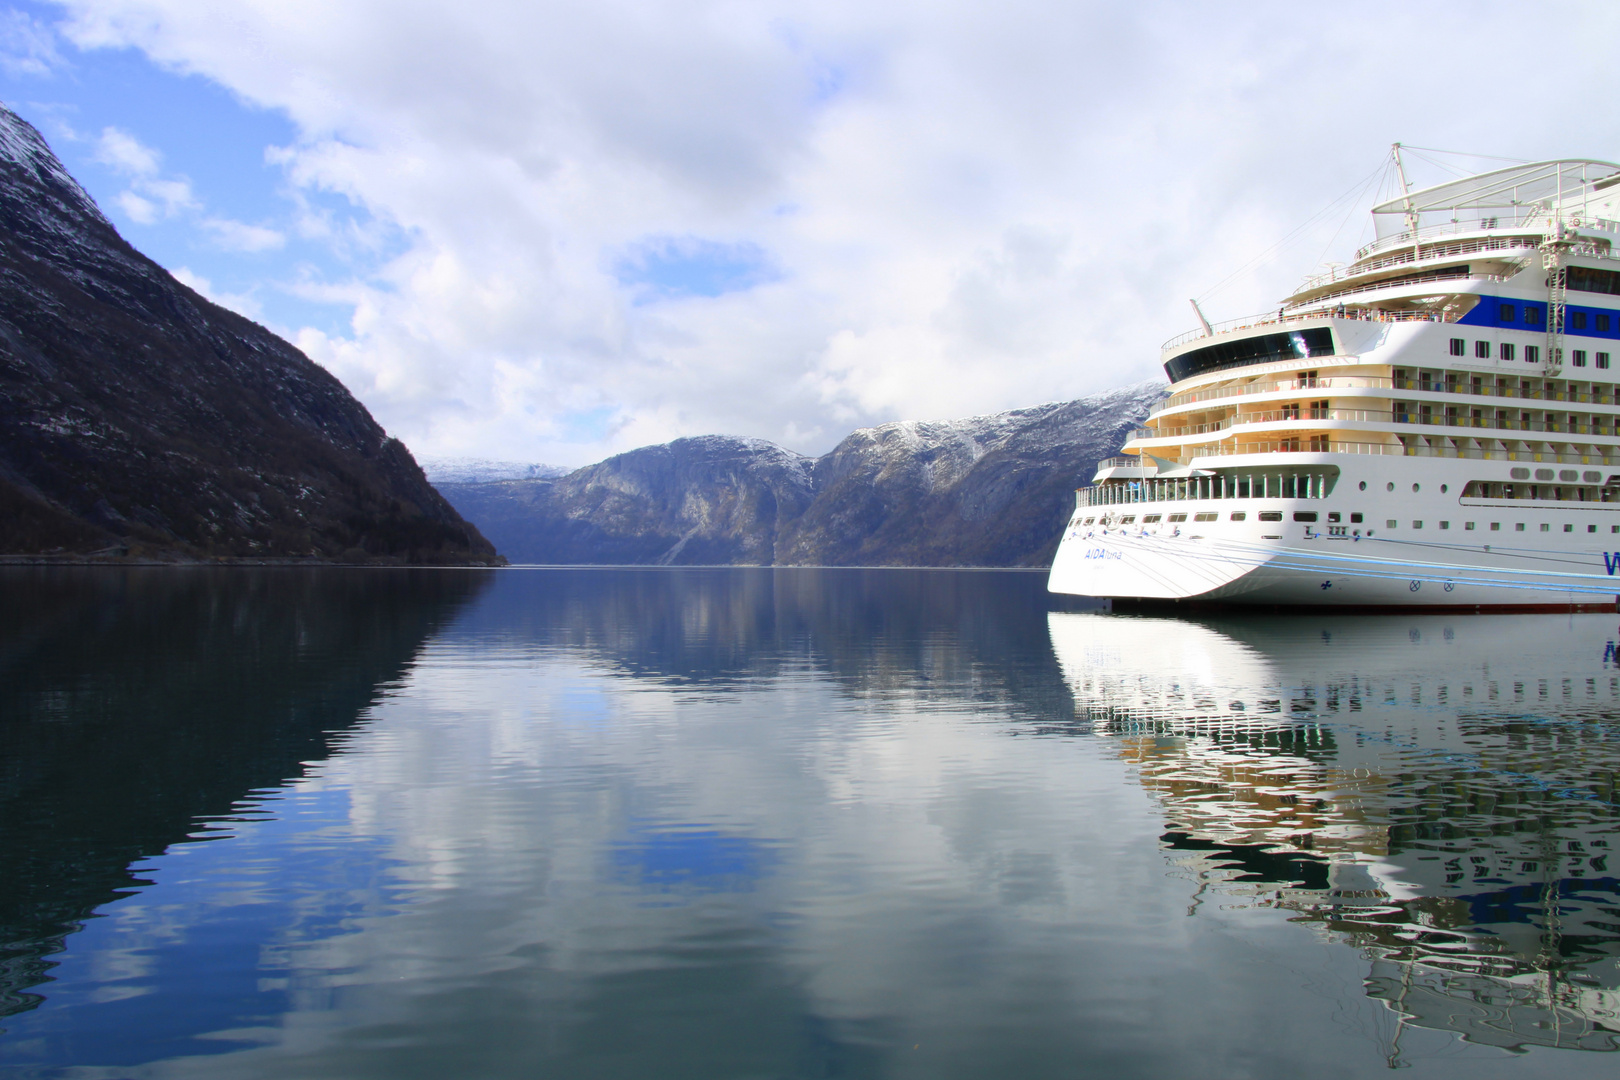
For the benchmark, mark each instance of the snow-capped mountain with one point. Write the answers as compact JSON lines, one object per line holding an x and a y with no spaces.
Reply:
{"x":982,"y":491}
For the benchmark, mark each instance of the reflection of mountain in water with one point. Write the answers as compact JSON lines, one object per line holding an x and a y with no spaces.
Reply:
{"x":950,"y":637}
{"x":136,"y":703}
{"x":1438,"y":792}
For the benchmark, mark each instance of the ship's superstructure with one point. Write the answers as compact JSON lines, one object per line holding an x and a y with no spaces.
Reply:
{"x":1435,"y":423}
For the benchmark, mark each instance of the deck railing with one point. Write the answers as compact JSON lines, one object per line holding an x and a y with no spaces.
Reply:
{"x":1611,"y":429}
{"x":1317,"y":313}
{"x":1437,"y":251}
{"x":1609,"y":396}
{"x":1365,"y":382}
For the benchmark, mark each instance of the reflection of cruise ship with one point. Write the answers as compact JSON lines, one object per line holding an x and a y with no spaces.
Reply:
{"x":1453,"y":815}
{"x":1433,"y":424}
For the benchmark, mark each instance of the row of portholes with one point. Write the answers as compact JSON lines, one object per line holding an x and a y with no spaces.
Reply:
{"x":1391,"y":487}
{"x":1416,"y":585}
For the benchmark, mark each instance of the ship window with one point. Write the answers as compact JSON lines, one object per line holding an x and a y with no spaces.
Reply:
{"x":1445,"y":524}
{"x":1532,"y":316}
{"x":1505,"y":350}
{"x":1128,"y":519}
{"x":1089,"y":521}
{"x":1355,"y":519}
{"x":1482,"y":349}
{"x":1390,"y":524}
{"x":1177,"y":517}
{"x":1458,"y":346}
{"x":1532,"y":354}
{"x":1417,"y":524}
{"x":1577,"y":320}
{"x":1150,"y":519}
{"x":1271,"y":515}
{"x":1305,"y":515}
{"x":1569,"y":528}
{"x":1240,"y":516}
{"x":1205,"y":517}
{"x":1591,"y":476}
{"x":1602,"y":323}
{"x":1263,"y":349}
{"x":1568,"y":474}
{"x":1496,"y":526}
{"x":1334,"y":516}
{"x":1518,"y":526}
{"x":1544,"y":474}
{"x":1506,"y":312}
{"x":1587,"y":279}
{"x":1603,"y":360}
{"x":1591,"y":528}
{"x":1580,"y":357}
{"x":1468,"y":526}
{"x":1519,"y":474}
{"x":1545,"y":527}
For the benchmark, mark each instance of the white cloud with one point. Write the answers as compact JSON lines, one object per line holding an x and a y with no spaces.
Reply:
{"x":126,"y":154}
{"x":139,"y":210}
{"x":964,"y":207}
{"x":240,"y":236}
{"x":150,"y":194}
{"x":27,"y":45}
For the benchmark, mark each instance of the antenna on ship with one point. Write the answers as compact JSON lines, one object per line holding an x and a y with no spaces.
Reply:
{"x":1406,"y":193}
{"x":1208,"y":330}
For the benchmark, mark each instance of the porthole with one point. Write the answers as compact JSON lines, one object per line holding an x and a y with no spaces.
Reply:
{"x":1390,"y":486}
{"x":1443,"y":488}
{"x":1414,"y":489}
{"x":1364,"y":485}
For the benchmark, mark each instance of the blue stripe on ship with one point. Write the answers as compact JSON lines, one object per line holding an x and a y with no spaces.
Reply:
{"x":1531,"y":316}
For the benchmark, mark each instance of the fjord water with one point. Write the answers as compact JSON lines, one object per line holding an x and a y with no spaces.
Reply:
{"x":791,"y":823}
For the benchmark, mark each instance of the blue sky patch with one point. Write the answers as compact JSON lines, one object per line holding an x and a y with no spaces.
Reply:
{"x":672,"y":268}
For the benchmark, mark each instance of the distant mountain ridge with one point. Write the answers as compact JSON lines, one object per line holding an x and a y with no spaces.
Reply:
{"x":138,"y":417}
{"x":468,"y":470}
{"x":982,"y":491}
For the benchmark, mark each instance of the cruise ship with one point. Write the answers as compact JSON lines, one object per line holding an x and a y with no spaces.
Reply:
{"x":1435,"y":423}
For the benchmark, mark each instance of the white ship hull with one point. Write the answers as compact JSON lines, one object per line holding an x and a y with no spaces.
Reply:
{"x":1440,"y":551}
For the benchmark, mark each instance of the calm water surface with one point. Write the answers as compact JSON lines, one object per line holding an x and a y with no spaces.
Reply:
{"x":793,"y":823}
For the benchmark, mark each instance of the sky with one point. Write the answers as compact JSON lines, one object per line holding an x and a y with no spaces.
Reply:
{"x":531,"y":231}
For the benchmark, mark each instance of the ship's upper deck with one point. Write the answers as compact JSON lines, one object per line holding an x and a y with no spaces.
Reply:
{"x":1438,"y":248}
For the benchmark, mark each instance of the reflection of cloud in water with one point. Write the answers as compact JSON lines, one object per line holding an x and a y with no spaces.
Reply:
{"x":1438,"y":792}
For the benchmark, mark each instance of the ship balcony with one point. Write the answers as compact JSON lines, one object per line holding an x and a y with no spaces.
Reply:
{"x":1483,"y":450}
{"x":1523,"y":219}
{"x":1381,"y":420}
{"x":1437,"y":251}
{"x":1124,"y":467}
{"x":1341,"y":385}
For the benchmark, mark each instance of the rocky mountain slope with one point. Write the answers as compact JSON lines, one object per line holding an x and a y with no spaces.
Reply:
{"x":137,"y":416}
{"x":985,"y":491}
